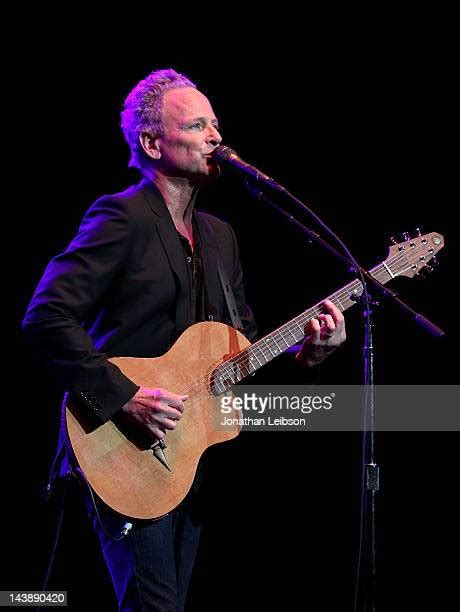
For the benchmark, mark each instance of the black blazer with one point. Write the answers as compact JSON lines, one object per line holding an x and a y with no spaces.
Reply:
{"x":121,"y":289}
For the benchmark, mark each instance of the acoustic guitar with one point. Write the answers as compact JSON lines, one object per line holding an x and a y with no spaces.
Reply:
{"x":204,"y":363}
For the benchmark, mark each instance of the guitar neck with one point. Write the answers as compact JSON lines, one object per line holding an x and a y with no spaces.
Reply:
{"x":248,"y":361}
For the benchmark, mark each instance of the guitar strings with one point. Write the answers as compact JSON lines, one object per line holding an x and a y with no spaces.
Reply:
{"x":241,"y":359}
{"x":264,"y":351}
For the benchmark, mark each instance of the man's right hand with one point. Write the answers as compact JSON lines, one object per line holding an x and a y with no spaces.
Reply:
{"x":154,"y":410}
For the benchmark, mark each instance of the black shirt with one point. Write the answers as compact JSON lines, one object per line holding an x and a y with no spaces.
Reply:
{"x":195,"y":275}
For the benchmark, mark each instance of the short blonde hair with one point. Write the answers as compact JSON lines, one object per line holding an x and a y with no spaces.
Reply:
{"x":143,"y":110}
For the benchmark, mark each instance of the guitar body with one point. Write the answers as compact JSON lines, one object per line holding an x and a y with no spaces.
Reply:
{"x":125,"y":474}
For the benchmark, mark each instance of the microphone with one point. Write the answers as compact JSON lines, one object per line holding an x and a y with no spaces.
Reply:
{"x":226,"y":155}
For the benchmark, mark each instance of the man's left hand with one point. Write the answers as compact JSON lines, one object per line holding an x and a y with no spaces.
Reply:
{"x":323,"y":335}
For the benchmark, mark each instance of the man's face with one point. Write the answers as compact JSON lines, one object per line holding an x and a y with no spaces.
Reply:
{"x":191,"y":134}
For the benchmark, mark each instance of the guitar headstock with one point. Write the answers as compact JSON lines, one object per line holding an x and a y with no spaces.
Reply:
{"x":409,"y":257}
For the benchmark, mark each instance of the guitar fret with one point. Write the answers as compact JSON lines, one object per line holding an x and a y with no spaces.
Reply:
{"x":339,"y":303}
{"x":283,"y":338}
{"x":255,"y":355}
{"x":229,"y":375}
{"x":302,"y":331}
{"x":292,"y":333}
{"x":258,"y":348}
{"x":266,"y":342}
{"x":248,"y":371}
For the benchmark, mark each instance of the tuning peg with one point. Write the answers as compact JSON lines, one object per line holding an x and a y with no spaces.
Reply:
{"x":428,"y":268}
{"x":419,"y":231}
{"x":406,"y":236}
{"x":393,"y":240}
{"x":434,"y":262}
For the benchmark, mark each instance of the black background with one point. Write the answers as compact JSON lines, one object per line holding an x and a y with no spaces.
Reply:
{"x":361,"y":131}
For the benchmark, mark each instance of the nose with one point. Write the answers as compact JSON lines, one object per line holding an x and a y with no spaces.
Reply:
{"x":213,"y":136}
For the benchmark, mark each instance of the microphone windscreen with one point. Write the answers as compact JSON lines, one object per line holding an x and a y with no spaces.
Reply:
{"x":222,"y":153}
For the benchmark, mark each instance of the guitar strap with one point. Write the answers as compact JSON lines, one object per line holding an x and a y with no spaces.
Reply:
{"x":229,"y":296}
{"x":226,"y":285}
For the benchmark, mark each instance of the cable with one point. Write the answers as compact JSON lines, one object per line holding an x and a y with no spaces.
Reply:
{"x":78,"y":472}
{"x":56,"y":536}
{"x":127,"y":525}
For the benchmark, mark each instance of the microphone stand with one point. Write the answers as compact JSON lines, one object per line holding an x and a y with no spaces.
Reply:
{"x":370,"y":468}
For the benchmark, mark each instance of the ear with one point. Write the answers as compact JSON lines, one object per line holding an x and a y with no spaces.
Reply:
{"x":150,"y":144}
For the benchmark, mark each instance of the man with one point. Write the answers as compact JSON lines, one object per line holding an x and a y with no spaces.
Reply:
{"x":142,"y":269}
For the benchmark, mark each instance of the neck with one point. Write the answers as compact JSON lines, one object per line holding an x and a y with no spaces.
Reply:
{"x":179,"y":194}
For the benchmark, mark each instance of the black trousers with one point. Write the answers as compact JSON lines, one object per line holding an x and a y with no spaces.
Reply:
{"x":151,"y":567}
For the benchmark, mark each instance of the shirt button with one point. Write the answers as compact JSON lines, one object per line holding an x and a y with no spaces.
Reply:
{"x":189,"y":259}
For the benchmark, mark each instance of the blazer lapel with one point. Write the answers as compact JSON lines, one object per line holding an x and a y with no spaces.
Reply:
{"x":171,"y":243}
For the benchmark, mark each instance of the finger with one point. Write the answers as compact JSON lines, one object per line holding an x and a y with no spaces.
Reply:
{"x":160,"y":393}
{"x":176,"y":404}
{"x":171,"y":413}
{"x":167,"y":423}
{"x":333,"y":311}
{"x":176,"y":401}
{"x":164,"y":398}
{"x":164,"y":407}
{"x":328,"y":328}
{"x":314,"y":331}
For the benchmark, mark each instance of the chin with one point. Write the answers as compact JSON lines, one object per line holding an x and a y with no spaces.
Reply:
{"x":212,"y":172}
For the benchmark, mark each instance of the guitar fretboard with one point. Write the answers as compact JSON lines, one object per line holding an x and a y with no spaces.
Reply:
{"x":249,"y":360}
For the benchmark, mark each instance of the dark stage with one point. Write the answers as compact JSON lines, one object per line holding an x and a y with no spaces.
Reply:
{"x":281,"y":510}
